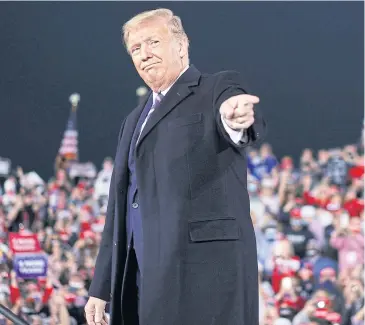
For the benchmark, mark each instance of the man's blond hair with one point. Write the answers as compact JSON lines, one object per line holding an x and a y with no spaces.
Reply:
{"x":173,"y":23}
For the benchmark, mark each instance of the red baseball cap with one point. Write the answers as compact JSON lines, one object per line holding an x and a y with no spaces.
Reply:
{"x":295,"y":213}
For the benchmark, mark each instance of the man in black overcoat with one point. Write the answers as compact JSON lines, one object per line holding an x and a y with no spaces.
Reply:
{"x":178,"y":247}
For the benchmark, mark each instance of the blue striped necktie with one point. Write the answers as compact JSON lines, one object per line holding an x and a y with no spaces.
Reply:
{"x":155,"y":105}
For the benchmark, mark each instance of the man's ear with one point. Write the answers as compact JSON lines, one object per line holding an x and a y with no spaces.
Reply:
{"x":183,"y":48}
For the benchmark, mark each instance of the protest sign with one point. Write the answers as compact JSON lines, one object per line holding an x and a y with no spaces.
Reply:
{"x":5,"y":166}
{"x":24,"y":243}
{"x":86,"y":170}
{"x":30,"y":265}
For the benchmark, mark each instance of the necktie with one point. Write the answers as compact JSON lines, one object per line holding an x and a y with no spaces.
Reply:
{"x":155,"y":105}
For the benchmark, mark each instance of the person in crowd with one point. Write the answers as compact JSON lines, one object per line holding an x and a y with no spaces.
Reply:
{"x":297,"y":233}
{"x":262,"y":163}
{"x":23,"y":213}
{"x":349,"y":242}
{"x":317,"y":308}
{"x":285,"y":263}
{"x":317,"y":260}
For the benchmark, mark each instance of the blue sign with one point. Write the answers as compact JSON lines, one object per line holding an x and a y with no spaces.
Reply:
{"x":30,"y":265}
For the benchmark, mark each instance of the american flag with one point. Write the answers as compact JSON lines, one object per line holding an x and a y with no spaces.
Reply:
{"x":69,"y":144}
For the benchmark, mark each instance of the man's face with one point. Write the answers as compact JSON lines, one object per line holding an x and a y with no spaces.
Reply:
{"x":296,"y":223}
{"x":307,"y":155}
{"x":108,"y":165}
{"x":253,"y":153}
{"x":156,"y":54}
{"x":305,"y":274}
{"x":323,"y":156}
{"x":265,"y":150}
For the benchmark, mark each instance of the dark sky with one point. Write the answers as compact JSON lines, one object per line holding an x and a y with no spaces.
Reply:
{"x":304,"y":59}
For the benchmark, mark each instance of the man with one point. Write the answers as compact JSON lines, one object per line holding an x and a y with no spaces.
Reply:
{"x":178,"y":245}
{"x":318,"y":262}
{"x":23,"y":214}
{"x":297,"y":233}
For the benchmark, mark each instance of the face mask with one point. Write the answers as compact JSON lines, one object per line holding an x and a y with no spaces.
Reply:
{"x":333,"y":206}
{"x":328,"y":285}
{"x":76,"y":285}
{"x":256,"y":160}
{"x":295,"y":223}
{"x":270,"y":234}
{"x":311,"y":253}
{"x":27,"y":310}
{"x":252,"y":187}
{"x":307,"y":286}
{"x":286,"y":312}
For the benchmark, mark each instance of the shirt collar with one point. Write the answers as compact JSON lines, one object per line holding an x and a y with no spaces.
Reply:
{"x":164,"y":92}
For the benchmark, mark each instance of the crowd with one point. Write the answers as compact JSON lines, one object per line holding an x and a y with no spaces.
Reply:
{"x":67,"y":215}
{"x":308,"y":219}
{"x":309,"y":225}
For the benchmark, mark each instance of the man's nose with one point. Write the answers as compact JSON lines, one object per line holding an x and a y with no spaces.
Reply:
{"x":145,"y":52}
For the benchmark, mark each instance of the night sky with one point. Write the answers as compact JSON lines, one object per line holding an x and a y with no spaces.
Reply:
{"x":305,"y":60}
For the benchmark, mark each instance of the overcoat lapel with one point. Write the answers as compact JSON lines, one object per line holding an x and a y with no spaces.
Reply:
{"x":126,"y":139}
{"x":178,"y":92}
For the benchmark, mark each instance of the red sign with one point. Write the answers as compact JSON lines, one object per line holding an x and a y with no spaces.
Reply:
{"x":24,"y":243}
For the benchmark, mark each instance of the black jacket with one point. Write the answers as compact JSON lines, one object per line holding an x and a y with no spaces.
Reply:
{"x":200,"y":261}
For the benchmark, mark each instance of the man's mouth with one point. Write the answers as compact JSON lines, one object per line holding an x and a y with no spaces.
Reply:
{"x":149,"y":66}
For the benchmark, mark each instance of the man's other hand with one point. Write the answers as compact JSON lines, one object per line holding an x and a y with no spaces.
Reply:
{"x":95,"y":312}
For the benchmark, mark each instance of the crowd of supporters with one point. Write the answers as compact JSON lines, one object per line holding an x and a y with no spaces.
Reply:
{"x":308,"y":219}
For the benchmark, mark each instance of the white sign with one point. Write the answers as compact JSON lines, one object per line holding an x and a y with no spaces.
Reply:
{"x":87,"y":170}
{"x":5,"y":166}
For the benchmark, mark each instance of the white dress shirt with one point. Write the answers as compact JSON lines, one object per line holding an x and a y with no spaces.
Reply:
{"x":235,"y":135}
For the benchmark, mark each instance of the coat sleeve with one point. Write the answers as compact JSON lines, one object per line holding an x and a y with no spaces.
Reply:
{"x":101,"y":283}
{"x":229,"y":84}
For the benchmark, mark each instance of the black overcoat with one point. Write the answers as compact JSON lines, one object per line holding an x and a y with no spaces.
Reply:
{"x":200,"y":260}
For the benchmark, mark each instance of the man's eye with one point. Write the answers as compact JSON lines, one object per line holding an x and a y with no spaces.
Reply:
{"x":154,"y":42}
{"x":135,"y":49}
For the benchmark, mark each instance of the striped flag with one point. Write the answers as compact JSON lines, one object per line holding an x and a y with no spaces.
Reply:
{"x":69,"y":144}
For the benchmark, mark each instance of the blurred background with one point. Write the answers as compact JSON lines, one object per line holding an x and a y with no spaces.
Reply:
{"x":66,"y":85}
{"x":305,"y":61}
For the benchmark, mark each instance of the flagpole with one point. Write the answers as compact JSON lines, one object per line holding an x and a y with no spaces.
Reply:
{"x":74,"y":100}
{"x":68,"y":151}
